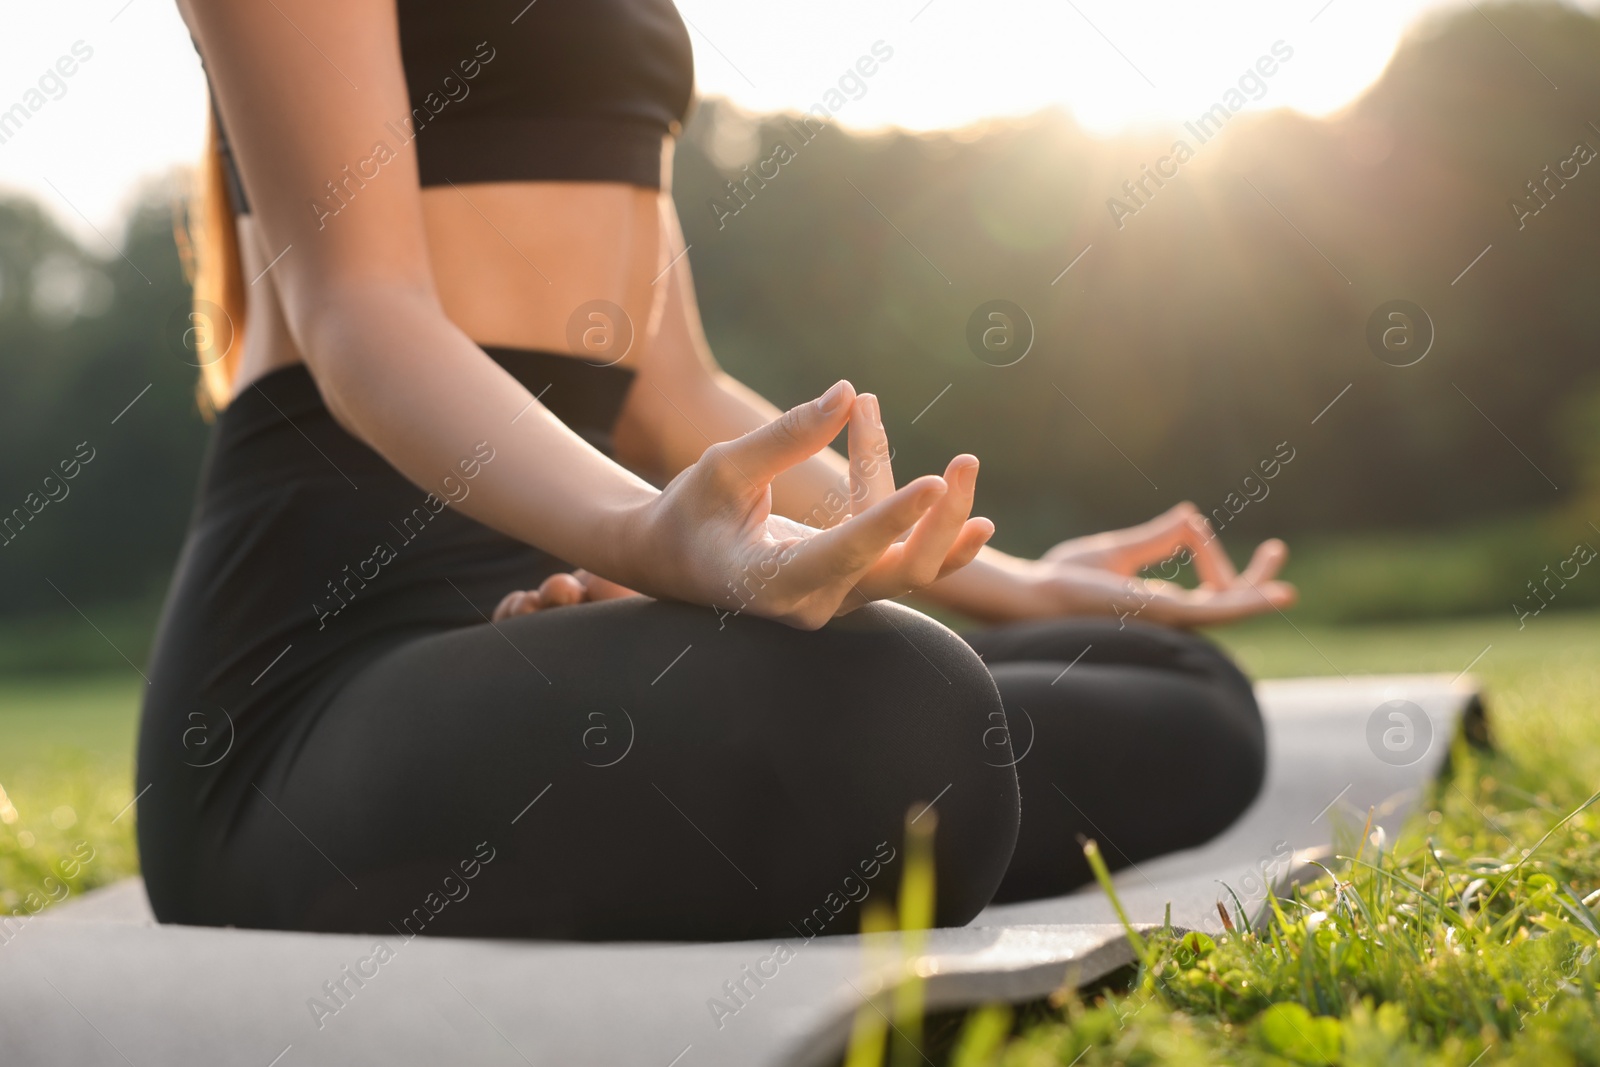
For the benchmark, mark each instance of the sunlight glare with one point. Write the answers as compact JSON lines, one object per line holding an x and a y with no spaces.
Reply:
{"x":1113,"y":64}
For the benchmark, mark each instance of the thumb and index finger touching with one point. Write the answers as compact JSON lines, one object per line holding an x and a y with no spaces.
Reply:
{"x":792,"y":438}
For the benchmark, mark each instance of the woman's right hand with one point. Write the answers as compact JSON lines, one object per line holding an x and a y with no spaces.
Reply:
{"x":710,"y":537}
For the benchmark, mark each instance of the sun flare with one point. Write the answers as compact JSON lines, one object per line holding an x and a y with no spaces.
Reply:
{"x":1114,"y":65}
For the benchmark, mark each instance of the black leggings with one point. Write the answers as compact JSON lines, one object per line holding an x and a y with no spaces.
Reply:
{"x":631,"y":770}
{"x":335,"y":739}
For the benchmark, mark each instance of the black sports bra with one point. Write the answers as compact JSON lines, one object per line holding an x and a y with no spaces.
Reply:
{"x":552,"y":90}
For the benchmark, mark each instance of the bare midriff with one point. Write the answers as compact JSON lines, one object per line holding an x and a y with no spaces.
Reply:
{"x":513,"y":263}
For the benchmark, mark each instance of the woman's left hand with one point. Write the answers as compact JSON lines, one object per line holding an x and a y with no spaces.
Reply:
{"x":1099,"y":575}
{"x":559,"y":591}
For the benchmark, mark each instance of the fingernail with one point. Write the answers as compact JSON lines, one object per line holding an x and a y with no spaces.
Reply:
{"x":829,"y":402}
{"x":874,"y":413}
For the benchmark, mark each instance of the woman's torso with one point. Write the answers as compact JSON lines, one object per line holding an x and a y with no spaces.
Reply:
{"x":519,"y":265}
{"x":544,"y":151}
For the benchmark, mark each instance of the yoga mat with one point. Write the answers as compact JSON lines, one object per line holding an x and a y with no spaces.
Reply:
{"x":96,"y":981}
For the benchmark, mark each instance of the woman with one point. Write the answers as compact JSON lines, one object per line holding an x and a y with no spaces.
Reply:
{"x":409,"y":439}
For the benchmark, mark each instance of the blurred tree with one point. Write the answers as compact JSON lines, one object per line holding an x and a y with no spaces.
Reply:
{"x":81,"y":338}
{"x":1220,"y":319}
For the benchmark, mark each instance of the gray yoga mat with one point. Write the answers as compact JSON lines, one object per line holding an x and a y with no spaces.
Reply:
{"x":95,"y":981}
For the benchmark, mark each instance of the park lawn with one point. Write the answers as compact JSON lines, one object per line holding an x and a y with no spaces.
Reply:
{"x":66,"y":767}
{"x":1471,"y":952}
{"x":1469,"y":941}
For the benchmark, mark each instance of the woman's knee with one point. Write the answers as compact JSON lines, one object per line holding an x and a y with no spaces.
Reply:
{"x":944,"y":729}
{"x":1235,"y":733}
{"x":1230,"y":741}
{"x":1200,"y":655}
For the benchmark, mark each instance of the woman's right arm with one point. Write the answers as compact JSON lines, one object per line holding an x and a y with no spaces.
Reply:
{"x":311,"y":94}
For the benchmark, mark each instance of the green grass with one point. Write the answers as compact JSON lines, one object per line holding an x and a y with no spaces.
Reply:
{"x":66,"y":767}
{"x":1466,"y":942}
{"x":1551,"y":645}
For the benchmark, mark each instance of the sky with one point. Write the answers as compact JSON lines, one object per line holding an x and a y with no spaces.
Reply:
{"x":136,"y":106}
